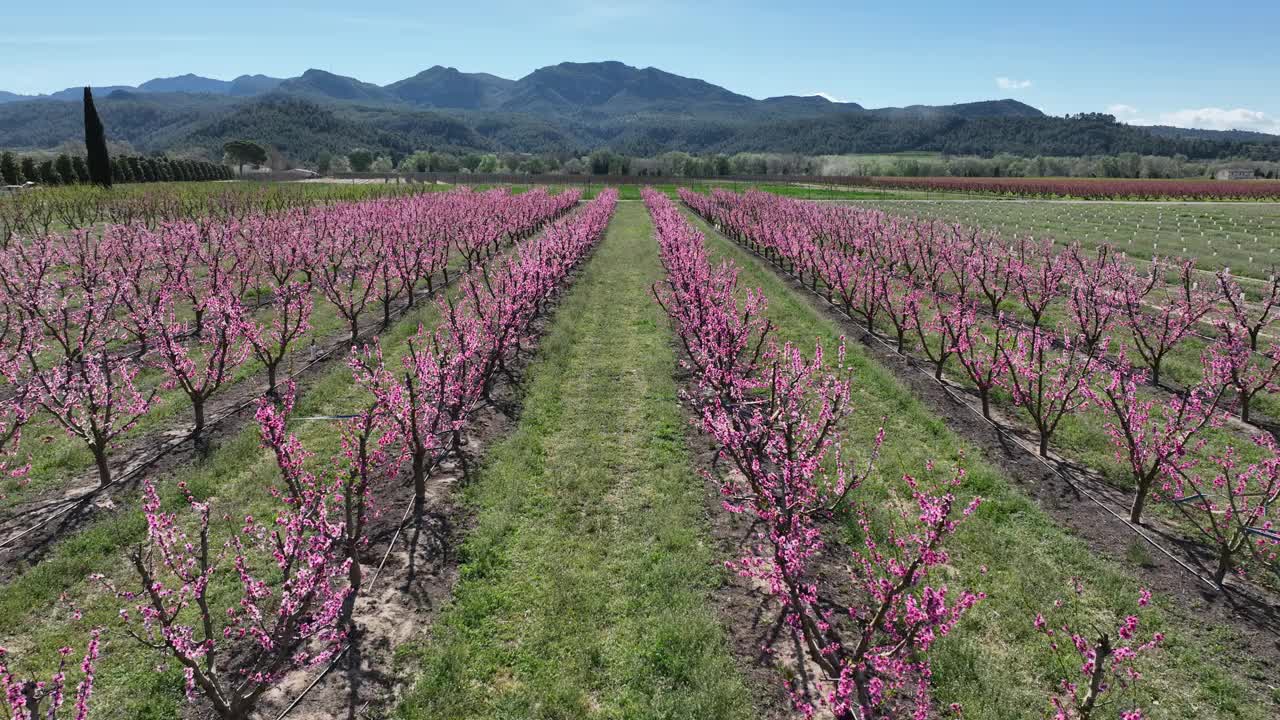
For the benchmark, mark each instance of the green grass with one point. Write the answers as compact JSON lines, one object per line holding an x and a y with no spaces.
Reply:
{"x":1244,"y":237}
{"x":994,"y":664}
{"x":584,"y":586}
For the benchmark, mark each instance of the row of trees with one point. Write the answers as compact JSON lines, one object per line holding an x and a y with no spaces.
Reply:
{"x":238,"y":605}
{"x":74,"y":170}
{"x":361,"y":160}
{"x":83,"y":295}
{"x":779,"y":417}
{"x":682,"y":164}
{"x":97,"y":167}
{"x":985,"y":304}
{"x":599,"y":162}
{"x":1124,"y":165}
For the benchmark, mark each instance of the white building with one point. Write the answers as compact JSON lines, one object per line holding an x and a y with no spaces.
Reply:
{"x":1234,"y":174}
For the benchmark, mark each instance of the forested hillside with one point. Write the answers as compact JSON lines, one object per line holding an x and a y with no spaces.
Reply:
{"x":573,"y":108}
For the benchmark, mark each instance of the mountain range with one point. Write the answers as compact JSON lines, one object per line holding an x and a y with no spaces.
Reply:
{"x":243,"y":86}
{"x":566,"y":108}
{"x":605,"y":88}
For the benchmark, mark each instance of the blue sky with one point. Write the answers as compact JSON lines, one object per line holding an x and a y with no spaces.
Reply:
{"x":1191,"y":63}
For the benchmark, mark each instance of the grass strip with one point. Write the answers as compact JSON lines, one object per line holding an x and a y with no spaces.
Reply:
{"x":584,"y":584}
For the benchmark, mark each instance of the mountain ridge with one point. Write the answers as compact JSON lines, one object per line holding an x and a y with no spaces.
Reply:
{"x":570,"y":109}
{"x":588,"y":90}
{"x":608,"y":87}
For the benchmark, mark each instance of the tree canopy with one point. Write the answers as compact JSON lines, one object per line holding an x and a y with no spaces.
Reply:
{"x":245,"y":152}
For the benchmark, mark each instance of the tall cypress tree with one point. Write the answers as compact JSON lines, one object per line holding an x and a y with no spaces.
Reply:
{"x":95,"y":140}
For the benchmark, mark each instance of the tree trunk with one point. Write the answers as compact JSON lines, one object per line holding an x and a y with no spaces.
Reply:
{"x":271,"y":378}
{"x":100,"y":460}
{"x":355,"y":577}
{"x":1224,"y":564}
{"x":1139,"y":501}
{"x":1044,"y":444}
{"x":419,"y":482}
{"x":985,"y":394}
{"x":197,"y":433}
{"x":1102,"y":652}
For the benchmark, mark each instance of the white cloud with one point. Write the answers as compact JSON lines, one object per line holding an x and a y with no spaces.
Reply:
{"x":1211,"y":118}
{"x":1202,"y":118}
{"x":1005,"y":83}
{"x":828,"y":96}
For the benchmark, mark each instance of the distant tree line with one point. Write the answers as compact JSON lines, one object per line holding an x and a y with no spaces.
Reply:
{"x":681,"y":164}
{"x":66,"y":169}
{"x":1122,"y":165}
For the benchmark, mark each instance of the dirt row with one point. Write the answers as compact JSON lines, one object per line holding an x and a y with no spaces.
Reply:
{"x":412,"y":564}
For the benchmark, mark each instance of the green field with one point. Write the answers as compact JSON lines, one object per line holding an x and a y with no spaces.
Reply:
{"x":1242,"y":236}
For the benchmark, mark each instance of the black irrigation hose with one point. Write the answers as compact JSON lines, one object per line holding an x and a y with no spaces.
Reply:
{"x":336,"y":658}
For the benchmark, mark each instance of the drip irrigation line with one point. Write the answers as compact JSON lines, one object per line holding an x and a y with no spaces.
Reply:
{"x":369,"y":587}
